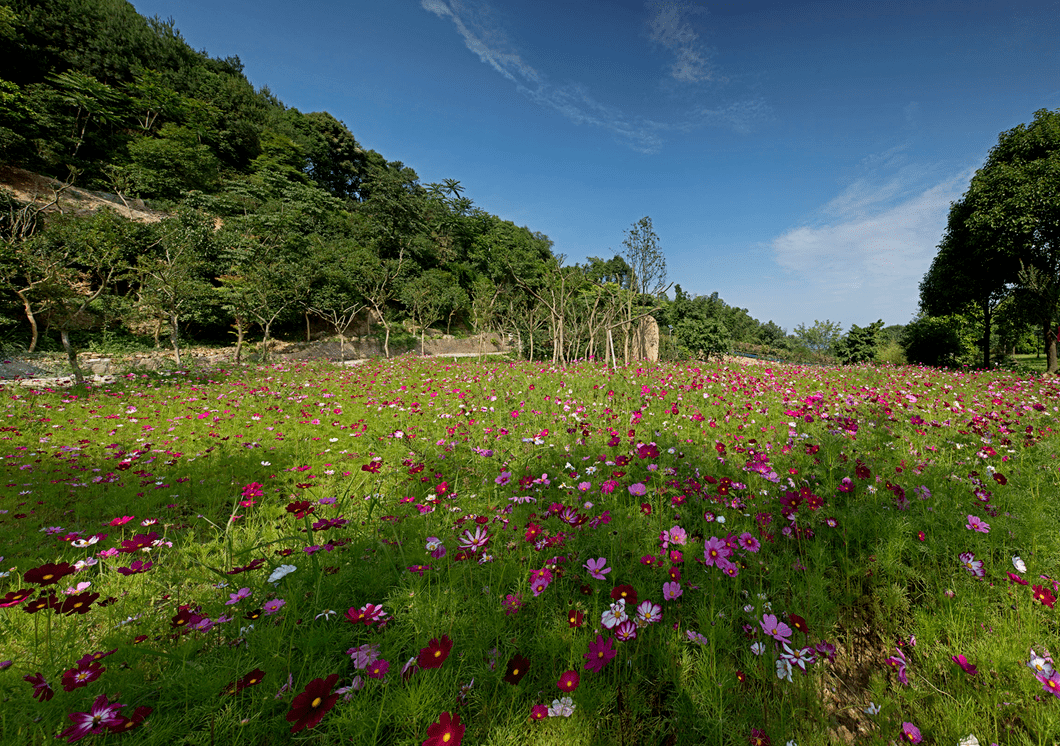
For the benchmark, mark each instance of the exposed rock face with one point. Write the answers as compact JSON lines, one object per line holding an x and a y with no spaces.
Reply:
{"x":646,"y":340}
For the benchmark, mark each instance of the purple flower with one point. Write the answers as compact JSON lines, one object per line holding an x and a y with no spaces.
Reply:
{"x":600,"y":653}
{"x":597,"y":568}
{"x":503,"y":479}
{"x":775,"y":628}
{"x":715,"y":549}
{"x":271,"y":607}
{"x":671,"y":591}
{"x":910,"y":733}
{"x":638,"y":489}
{"x":234,"y":598}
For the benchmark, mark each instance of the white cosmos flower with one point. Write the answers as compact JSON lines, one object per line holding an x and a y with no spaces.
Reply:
{"x":281,"y":572}
{"x":1018,"y":563}
{"x":783,"y":669}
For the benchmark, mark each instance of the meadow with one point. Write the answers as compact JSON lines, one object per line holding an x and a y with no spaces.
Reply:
{"x":425,"y":552}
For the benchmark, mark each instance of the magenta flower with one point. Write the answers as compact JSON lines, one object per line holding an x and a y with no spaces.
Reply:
{"x":750,"y":543}
{"x":600,"y":653}
{"x":626,"y":631}
{"x":961,"y":661}
{"x":898,"y":662}
{"x":846,"y":485}
{"x":234,"y":598}
{"x":638,"y":489}
{"x":715,"y":549}
{"x":648,"y":613}
{"x":672,"y":591}
{"x":103,"y":716}
{"x":503,"y":479}
{"x":977,"y":524}
{"x":775,"y":628}
{"x":910,"y":733}
{"x":597,"y":568}
{"x":539,"y":580}
{"x":1050,"y":682}
{"x":271,"y":607}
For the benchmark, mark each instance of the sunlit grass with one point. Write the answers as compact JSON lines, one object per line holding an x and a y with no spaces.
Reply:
{"x":845,"y":495}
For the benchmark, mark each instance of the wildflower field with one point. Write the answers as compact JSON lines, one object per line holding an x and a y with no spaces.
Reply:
{"x":416,"y":552}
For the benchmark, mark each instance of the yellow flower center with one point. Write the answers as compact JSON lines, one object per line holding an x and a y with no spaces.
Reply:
{"x":49,"y":576}
{"x":316,"y":703}
{"x":437,"y":653}
{"x":446,"y":737}
{"x":515,"y":672}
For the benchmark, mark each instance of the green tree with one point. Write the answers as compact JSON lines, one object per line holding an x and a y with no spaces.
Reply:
{"x":172,"y":281}
{"x":1005,"y":231}
{"x":819,"y":338}
{"x":861,"y":344}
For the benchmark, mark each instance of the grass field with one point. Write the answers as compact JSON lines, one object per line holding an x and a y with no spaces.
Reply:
{"x":420,"y":551}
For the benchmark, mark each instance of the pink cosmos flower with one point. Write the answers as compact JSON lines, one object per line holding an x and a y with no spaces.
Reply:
{"x":103,"y":715}
{"x":271,"y":607}
{"x":672,"y":591}
{"x":775,"y":628}
{"x":1050,"y":683}
{"x":750,"y":543}
{"x":638,"y":489}
{"x":234,"y":598}
{"x":968,"y":668}
{"x":597,"y":568}
{"x":977,"y":524}
{"x":715,"y":549}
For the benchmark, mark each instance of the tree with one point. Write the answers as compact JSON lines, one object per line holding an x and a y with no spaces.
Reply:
{"x":861,"y":344}
{"x":425,"y":298}
{"x":172,"y":276}
{"x":334,"y":296}
{"x":647,"y":269}
{"x":821,"y":337}
{"x":1005,"y":231}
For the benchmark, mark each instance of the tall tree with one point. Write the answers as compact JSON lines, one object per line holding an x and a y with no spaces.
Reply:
{"x":1005,"y":231}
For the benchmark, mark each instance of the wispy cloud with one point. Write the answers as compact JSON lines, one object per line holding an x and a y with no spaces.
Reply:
{"x":872,"y":244}
{"x":668,"y":27}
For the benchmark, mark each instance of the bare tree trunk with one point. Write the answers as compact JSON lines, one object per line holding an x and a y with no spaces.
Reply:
{"x":174,"y":335}
{"x":158,"y":333}
{"x":32,"y":319}
{"x":307,"y":335}
{"x":1050,"y":349}
{"x":71,"y":355}
{"x":239,"y":340}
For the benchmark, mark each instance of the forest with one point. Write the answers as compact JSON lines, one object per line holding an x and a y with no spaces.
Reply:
{"x":270,"y":222}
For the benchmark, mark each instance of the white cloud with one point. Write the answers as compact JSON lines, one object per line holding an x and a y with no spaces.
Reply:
{"x":483,"y":37}
{"x":870,"y":253}
{"x":669,"y":26}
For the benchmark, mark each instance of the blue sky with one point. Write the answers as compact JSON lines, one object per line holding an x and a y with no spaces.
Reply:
{"x":797,"y":157}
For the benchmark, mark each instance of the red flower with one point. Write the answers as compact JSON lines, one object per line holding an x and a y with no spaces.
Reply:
{"x":40,"y":603}
{"x":540,"y":712}
{"x":311,"y":705}
{"x":759,"y":737}
{"x":797,"y":622}
{"x":78,"y":604}
{"x":81,"y":676}
{"x":626,"y":592}
{"x":575,"y":618}
{"x":49,"y":573}
{"x":1043,"y":594}
{"x":42,"y":690}
{"x":300,"y":508}
{"x":569,"y":681}
{"x":126,"y":724}
{"x":252,"y":678}
{"x":517,"y":668}
{"x":434,"y":655}
{"x":14,"y":598}
{"x":448,"y":731}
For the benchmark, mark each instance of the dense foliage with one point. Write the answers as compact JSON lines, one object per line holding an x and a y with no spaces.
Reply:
{"x":999,"y":261}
